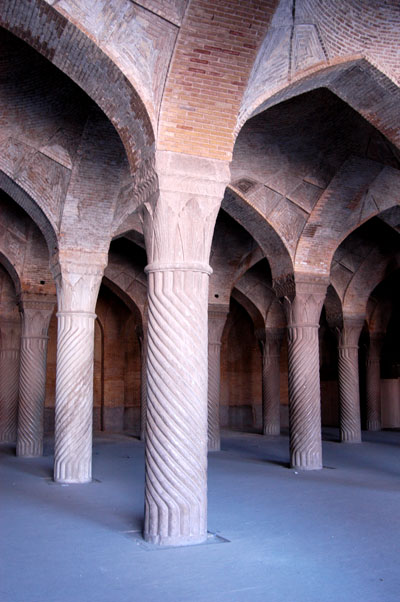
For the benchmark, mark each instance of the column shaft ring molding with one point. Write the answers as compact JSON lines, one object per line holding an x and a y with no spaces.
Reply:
{"x":180,"y":266}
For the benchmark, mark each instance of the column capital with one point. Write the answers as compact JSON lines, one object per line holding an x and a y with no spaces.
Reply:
{"x":303,"y":306}
{"x":350,"y":332}
{"x":78,"y":277}
{"x":178,"y":225}
{"x":217,"y":315}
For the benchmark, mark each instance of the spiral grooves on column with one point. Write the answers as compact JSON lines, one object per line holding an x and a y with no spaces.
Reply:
{"x":74,"y":398}
{"x":32,"y":389}
{"x":373,"y":395}
{"x":9,"y":387}
{"x":270,"y":393}
{"x":304,"y":395}
{"x":214,"y":438}
{"x":350,"y":423}
{"x":176,"y":446}
{"x":143,"y":394}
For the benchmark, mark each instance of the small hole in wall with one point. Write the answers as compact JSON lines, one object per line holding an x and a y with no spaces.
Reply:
{"x":216,"y":295}
{"x":42,"y":282}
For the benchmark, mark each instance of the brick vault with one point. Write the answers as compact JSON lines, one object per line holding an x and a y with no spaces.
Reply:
{"x":199,"y":227}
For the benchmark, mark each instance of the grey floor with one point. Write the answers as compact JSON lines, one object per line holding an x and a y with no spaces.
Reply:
{"x":329,"y":535}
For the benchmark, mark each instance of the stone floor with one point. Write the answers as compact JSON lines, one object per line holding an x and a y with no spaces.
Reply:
{"x":330,"y":535}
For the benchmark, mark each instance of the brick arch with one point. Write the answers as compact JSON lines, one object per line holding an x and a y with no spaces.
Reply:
{"x":213,"y":57}
{"x":251,"y":308}
{"x":6,"y":262}
{"x":360,"y":190}
{"x":126,"y":297}
{"x":355,"y":80}
{"x":375,"y":268}
{"x":65,"y":45}
{"x":28,"y":196}
{"x":271,"y":244}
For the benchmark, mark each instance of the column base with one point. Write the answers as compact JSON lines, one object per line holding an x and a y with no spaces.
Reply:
{"x":373,"y":425}
{"x":72,"y":475}
{"x":273,"y":430}
{"x":214,"y":445}
{"x":175,"y":541}
{"x":29,"y":450}
{"x":306,"y":462}
{"x":350,"y":438}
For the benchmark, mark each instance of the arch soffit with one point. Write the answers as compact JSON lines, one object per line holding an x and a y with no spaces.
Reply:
{"x":360,"y":190}
{"x":126,"y":297}
{"x":27,"y":196}
{"x":11,"y":271}
{"x":250,"y":308}
{"x":64,"y":43}
{"x":355,"y":80}
{"x":374,"y":269}
{"x":256,"y":224}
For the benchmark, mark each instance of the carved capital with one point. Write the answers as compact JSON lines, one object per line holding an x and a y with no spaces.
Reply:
{"x":349,"y":335}
{"x":304,"y":309}
{"x":376,"y":340}
{"x":78,"y":277}
{"x":217,"y":316}
{"x":178,"y":226}
{"x":36,"y":311}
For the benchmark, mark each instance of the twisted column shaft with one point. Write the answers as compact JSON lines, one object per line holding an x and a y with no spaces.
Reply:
{"x":216,"y":323}
{"x":303,"y":310}
{"x":176,"y":436}
{"x":9,"y":387}
{"x":78,"y":277}
{"x":373,"y":392}
{"x":143,"y":384}
{"x":304,"y":397}
{"x":271,"y":383}
{"x":349,"y":390}
{"x":214,"y":370}
{"x":32,"y":376}
{"x":74,"y":397}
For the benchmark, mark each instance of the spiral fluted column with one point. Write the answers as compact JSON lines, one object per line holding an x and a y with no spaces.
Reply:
{"x":178,"y":227}
{"x":142,"y":335}
{"x":271,"y":382}
{"x":9,"y":379}
{"x":303,"y":312}
{"x":176,"y":436}
{"x":216,"y":323}
{"x":36,"y":315}
{"x":349,"y":391}
{"x":373,"y":392}
{"x":77,"y":289}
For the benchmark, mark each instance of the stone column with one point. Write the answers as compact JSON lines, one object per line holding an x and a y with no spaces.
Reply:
{"x":78,"y":281}
{"x":303,"y":311}
{"x":142,"y":336}
{"x":178,"y":228}
{"x":271,"y":346}
{"x":349,"y":390}
{"x":36,"y":311}
{"x":9,"y":378}
{"x":216,"y":322}
{"x":374,"y":381}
